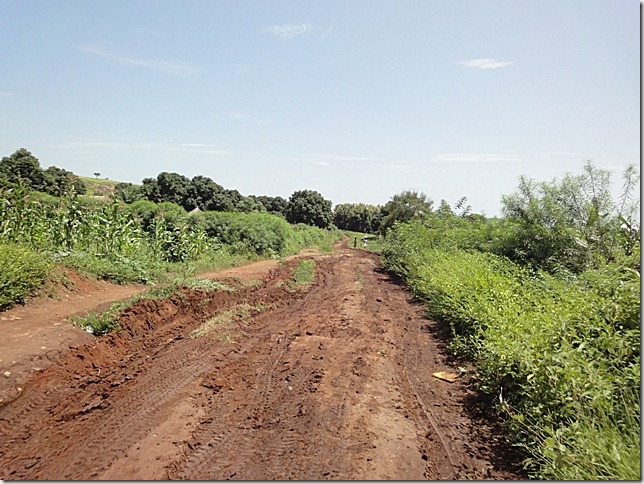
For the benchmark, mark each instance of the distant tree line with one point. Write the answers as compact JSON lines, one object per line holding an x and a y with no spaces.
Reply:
{"x":202,"y":193}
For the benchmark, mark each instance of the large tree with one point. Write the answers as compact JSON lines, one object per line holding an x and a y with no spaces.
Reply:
{"x":359,"y":217}
{"x":204,"y":193}
{"x":309,"y":207}
{"x":403,"y":207}
{"x":24,"y":167}
{"x":173,"y":187}
{"x":276,"y":205}
{"x":58,"y":181}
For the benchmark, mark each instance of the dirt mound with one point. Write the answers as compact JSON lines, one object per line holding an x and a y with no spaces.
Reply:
{"x":269,"y":381}
{"x":35,"y":335}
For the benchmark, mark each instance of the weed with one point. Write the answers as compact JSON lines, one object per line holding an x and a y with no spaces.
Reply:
{"x":101,"y":323}
{"x":223,"y":322}
{"x":303,"y":274}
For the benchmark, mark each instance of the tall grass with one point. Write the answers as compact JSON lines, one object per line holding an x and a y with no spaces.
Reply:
{"x":559,"y":356}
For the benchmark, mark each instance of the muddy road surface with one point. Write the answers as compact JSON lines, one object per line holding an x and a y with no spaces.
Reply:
{"x":269,"y":380}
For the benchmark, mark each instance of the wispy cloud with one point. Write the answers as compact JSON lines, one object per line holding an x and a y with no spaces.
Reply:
{"x":484,"y":63}
{"x":169,"y":67}
{"x":288,"y":31}
{"x":328,"y":159}
{"x":6,"y":94}
{"x":201,"y":148}
{"x":246,"y":118}
{"x":476,"y":157}
{"x":327,"y":32}
{"x":399,"y":167}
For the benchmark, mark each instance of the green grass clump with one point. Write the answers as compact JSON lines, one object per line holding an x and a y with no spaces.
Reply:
{"x":303,"y":274}
{"x":101,"y":323}
{"x":206,"y":284}
{"x":21,"y":271}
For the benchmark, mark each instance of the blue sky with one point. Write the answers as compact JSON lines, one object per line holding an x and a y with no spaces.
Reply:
{"x":357,"y":99}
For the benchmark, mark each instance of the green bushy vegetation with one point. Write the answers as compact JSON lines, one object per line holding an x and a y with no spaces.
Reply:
{"x":142,"y":242}
{"x":22,"y":271}
{"x":262,"y":234}
{"x":554,"y":331}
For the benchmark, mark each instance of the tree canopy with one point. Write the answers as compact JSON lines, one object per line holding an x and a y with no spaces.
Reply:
{"x":309,"y":207}
{"x":358,"y":217}
{"x":403,"y":207}
{"x":24,"y":168}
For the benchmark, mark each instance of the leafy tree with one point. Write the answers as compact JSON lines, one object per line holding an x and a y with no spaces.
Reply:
{"x":276,"y":205}
{"x":358,"y":217}
{"x":128,"y":192}
{"x":309,"y":207}
{"x":58,"y":181}
{"x":201,"y":193}
{"x":249,"y":204}
{"x":256,"y":204}
{"x":24,"y":166}
{"x":173,"y":187}
{"x":565,"y":224}
{"x":235,"y":200}
{"x":150,"y":189}
{"x":403,"y":207}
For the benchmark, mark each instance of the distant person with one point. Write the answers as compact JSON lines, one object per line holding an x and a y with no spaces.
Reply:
{"x":355,"y":242}
{"x":364,"y":241}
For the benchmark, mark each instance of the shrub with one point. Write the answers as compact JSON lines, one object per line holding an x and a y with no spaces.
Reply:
{"x":22,"y":271}
{"x":560,"y":356}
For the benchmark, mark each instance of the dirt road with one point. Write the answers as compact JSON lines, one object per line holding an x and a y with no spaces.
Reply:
{"x":269,"y":381}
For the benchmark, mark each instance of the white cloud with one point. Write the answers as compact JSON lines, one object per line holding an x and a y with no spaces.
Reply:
{"x":288,"y":31}
{"x":129,"y":146}
{"x":327,"y":33}
{"x":242,"y":116}
{"x":476,"y":157}
{"x":484,"y":63}
{"x":169,"y":67}
{"x":327,"y":159}
{"x":399,"y":167}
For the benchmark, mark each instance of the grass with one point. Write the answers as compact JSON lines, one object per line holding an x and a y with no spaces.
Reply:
{"x":98,"y":186}
{"x":224,"y":323}
{"x":303,"y":274}
{"x":102,"y":323}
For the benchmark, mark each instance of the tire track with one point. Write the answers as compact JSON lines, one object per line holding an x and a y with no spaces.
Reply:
{"x":330,"y":382}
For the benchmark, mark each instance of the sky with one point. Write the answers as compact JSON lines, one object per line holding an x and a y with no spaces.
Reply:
{"x":356,"y":99}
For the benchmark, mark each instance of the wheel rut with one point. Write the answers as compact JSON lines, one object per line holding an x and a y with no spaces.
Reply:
{"x":327,"y":381}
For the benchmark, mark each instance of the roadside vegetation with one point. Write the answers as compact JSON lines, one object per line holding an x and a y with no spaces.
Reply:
{"x":145,"y":241}
{"x":546,"y":303}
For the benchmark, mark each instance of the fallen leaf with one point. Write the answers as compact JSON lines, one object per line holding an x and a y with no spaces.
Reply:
{"x":442,"y":375}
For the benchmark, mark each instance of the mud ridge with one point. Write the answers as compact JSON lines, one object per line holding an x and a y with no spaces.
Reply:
{"x":269,"y":381}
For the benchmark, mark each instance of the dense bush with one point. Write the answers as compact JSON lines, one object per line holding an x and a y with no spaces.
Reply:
{"x":555,"y":338}
{"x":260,"y":233}
{"x":22,"y":271}
{"x":561,"y":357}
